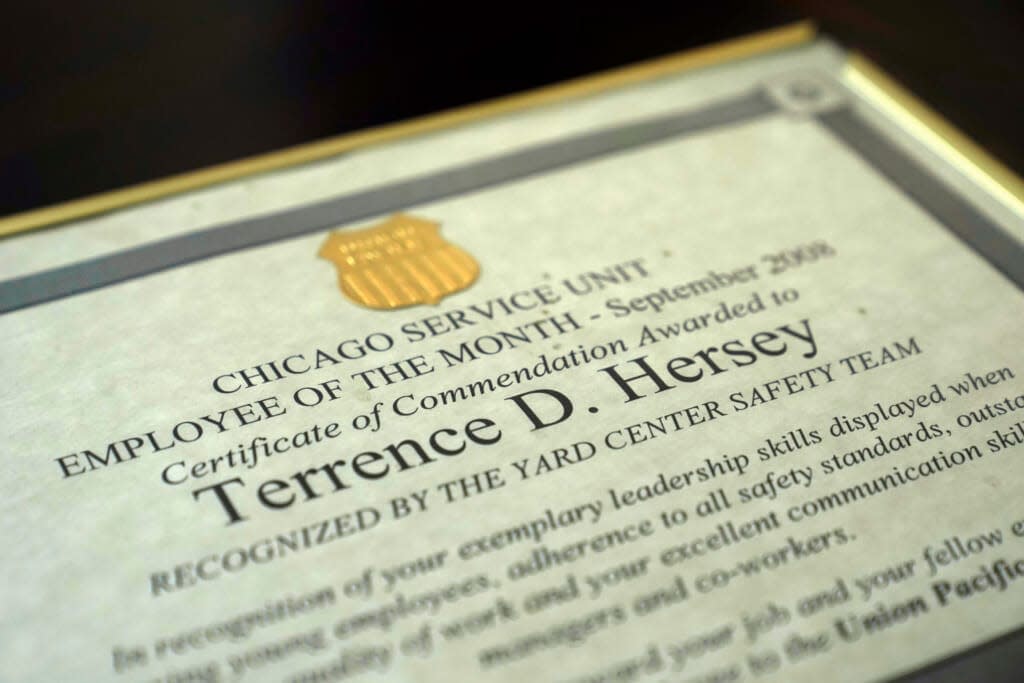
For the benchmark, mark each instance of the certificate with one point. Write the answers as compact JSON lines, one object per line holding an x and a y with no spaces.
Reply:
{"x":705,"y":370}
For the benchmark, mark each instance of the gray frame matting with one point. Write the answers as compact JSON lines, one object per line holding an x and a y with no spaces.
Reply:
{"x":849,"y":127}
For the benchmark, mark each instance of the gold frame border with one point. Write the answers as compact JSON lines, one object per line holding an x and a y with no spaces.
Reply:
{"x":738,"y":48}
{"x":934,"y":130}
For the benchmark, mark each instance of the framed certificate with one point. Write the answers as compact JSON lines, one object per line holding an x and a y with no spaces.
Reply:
{"x":708,"y":369}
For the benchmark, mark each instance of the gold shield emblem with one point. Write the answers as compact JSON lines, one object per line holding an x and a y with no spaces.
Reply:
{"x":401,"y":262}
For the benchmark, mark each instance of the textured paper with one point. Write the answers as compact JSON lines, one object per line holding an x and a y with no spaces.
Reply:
{"x":89,"y":590}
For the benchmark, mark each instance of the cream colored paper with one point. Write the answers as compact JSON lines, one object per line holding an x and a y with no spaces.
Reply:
{"x":804,"y":582}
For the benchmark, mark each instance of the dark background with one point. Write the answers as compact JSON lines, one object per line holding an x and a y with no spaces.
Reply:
{"x":95,"y":97}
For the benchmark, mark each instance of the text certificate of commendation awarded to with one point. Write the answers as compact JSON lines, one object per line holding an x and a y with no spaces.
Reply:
{"x":702,"y":375}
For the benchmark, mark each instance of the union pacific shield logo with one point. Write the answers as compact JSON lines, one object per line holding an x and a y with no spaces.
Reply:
{"x":401,"y":262}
